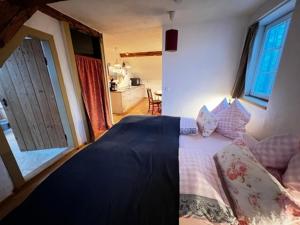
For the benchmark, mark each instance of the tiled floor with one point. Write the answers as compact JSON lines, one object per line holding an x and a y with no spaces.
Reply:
{"x":31,"y":161}
{"x":139,"y":109}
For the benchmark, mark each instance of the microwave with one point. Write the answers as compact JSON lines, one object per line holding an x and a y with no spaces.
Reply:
{"x":135,"y":81}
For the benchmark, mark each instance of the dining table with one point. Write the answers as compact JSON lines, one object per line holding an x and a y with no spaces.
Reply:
{"x":158,"y":93}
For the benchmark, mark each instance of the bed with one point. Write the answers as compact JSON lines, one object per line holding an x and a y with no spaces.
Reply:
{"x":202,"y":198}
{"x":141,"y":172}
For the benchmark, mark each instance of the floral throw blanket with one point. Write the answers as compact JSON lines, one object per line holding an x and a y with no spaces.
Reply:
{"x":254,"y":193}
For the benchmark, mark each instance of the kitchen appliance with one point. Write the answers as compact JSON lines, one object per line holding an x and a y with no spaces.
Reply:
{"x":113,"y":85}
{"x":135,"y":81}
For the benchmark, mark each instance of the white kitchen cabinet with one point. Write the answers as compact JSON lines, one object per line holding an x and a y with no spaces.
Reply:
{"x":123,"y":100}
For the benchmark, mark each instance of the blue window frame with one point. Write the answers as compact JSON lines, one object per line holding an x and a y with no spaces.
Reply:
{"x":266,"y":68}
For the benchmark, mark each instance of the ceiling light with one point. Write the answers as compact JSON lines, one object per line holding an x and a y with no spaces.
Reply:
{"x":171,"y":36}
{"x":171,"y":15}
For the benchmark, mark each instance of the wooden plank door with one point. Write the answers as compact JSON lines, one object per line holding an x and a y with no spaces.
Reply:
{"x":28,"y":98}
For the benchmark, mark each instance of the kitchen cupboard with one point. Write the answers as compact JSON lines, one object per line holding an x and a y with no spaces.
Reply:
{"x":124,"y":99}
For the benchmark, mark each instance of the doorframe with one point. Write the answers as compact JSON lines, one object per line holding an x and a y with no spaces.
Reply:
{"x":10,"y":162}
{"x":65,"y":27}
{"x":5,"y":151}
{"x":17,"y":40}
{"x":106,"y":80}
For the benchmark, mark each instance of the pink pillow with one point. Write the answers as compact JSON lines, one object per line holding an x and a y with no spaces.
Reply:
{"x":276,"y":151}
{"x":291,"y":177}
{"x":223,"y":105}
{"x":232,"y":120}
{"x":246,"y":140}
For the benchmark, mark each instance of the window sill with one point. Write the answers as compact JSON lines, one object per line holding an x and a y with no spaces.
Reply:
{"x":255,"y":101}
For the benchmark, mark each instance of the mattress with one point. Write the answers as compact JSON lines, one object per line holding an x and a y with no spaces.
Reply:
{"x":198,"y":175}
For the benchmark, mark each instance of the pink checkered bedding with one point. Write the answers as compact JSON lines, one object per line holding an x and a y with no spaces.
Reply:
{"x":202,"y":197}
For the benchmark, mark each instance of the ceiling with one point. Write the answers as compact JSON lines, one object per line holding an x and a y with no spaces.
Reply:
{"x":114,"y":16}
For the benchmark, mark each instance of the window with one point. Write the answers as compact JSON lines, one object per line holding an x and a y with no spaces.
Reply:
{"x":269,"y":58}
{"x":266,"y":54}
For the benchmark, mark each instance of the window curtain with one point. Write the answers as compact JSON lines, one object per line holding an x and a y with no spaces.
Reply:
{"x":91,"y":76}
{"x":239,"y":84}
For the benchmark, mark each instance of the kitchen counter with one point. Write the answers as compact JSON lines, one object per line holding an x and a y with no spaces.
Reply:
{"x":124,"y":99}
{"x":127,"y":89}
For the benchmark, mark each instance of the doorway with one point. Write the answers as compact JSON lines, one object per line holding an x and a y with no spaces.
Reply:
{"x":34,"y":118}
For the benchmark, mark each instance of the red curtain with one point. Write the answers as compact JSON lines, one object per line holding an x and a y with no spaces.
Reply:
{"x":91,"y":76}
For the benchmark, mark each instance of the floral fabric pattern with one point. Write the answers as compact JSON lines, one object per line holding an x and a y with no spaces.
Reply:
{"x":254,"y":192}
{"x":207,"y":122}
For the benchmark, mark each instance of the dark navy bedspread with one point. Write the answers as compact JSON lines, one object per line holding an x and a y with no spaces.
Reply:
{"x":128,"y":177}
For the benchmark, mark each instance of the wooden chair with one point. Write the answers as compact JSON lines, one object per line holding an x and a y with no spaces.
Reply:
{"x":152,"y":102}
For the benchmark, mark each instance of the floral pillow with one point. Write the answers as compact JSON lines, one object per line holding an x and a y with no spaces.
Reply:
{"x":232,"y":121}
{"x":188,"y":126}
{"x":207,"y":122}
{"x":291,"y":177}
{"x":254,"y":193}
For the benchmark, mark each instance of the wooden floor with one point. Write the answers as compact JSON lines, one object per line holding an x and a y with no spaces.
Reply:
{"x":139,"y":109}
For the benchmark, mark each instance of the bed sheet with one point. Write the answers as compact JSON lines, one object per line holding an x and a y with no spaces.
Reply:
{"x":201,"y":192}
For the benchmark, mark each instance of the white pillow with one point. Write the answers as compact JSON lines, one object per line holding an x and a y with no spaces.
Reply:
{"x":188,"y":126}
{"x":207,"y":122}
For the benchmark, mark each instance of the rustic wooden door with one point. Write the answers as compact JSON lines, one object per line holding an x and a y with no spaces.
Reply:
{"x":28,"y":99}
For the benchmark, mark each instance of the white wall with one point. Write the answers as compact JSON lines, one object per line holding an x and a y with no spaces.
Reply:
{"x":149,"y":68}
{"x":42,"y":22}
{"x":203,"y":69}
{"x":283,"y":109}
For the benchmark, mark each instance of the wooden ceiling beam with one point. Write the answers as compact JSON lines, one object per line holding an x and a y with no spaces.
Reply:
{"x":72,"y":22}
{"x":14,"y":13}
{"x":15,"y":23}
{"x":7,"y":11}
{"x":140,"y":54}
{"x":27,"y":3}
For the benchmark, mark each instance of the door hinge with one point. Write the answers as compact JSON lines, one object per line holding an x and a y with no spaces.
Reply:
{"x":4,"y":102}
{"x":46,"y":61}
